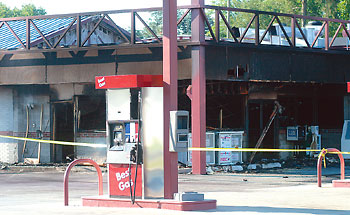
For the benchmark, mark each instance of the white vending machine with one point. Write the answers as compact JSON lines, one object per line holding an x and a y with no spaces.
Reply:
{"x":229,"y":139}
{"x":210,"y":143}
{"x":345,"y":139}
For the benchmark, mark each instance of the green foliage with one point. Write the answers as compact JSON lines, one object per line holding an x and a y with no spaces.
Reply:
{"x":278,"y":6}
{"x":343,"y":9}
{"x":323,"y":8}
{"x":315,"y":8}
{"x":156,"y":24}
{"x":5,"y":11}
{"x":26,"y":10}
{"x":338,"y":9}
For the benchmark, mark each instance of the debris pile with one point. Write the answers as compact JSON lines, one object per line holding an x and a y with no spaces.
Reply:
{"x":3,"y":166}
{"x":266,"y":165}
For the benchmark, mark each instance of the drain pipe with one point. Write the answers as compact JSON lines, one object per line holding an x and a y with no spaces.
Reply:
{"x":27,"y":131}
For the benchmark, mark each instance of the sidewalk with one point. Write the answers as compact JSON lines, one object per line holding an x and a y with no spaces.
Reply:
{"x":42,"y":192}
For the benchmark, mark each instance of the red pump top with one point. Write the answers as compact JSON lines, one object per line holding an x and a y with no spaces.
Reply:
{"x":128,"y":81}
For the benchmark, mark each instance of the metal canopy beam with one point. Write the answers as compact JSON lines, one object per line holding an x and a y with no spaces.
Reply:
{"x":134,"y":13}
{"x":198,"y":105}
{"x":170,"y":76}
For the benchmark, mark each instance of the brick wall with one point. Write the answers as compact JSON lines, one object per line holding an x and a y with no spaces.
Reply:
{"x":8,"y":147}
{"x":8,"y":152}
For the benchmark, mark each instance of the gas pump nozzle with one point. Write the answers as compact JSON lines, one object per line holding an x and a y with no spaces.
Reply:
{"x":136,"y":154}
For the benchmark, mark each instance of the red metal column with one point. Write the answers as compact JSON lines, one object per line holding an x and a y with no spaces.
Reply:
{"x":170,"y":92}
{"x":198,"y":91}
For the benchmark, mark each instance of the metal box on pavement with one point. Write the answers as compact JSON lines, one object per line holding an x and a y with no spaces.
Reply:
{"x":210,"y":156}
{"x":229,"y":139}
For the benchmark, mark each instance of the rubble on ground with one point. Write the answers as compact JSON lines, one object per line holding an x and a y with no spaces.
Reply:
{"x":210,"y":170}
{"x":237,"y":168}
{"x":271,"y":165}
{"x":3,"y":167}
{"x":265,"y":165}
{"x":254,"y":166}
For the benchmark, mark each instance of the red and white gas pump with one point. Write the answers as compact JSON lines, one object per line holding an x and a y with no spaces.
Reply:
{"x":135,"y":145}
{"x":135,"y":134}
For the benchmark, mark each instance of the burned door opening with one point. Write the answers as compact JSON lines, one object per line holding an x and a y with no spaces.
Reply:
{"x":63,"y":130}
{"x":259,"y":114}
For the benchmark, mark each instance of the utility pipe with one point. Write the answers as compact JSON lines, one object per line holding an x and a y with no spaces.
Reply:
{"x":27,"y":131}
{"x":41,"y":130}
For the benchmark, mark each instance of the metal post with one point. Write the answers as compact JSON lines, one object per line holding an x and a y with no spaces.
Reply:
{"x":326,"y":36}
{"x":133,"y":31}
{"x":66,"y":177}
{"x":78,"y":29}
{"x":347,"y":40}
{"x":217,"y":26}
{"x":246,"y":125}
{"x":315,"y":107}
{"x":228,"y":18}
{"x":319,"y":165}
{"x":27,"y":34}
{"x":170,"y":76}
{"x":220,"y":119}
{"x":261,"y":109}
{"x":198,"y":91}
{"x":257,"y":26}
{"x":293,"y":31}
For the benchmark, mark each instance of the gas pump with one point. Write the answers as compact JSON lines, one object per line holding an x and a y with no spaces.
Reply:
{"x":125,"y":154}
{"x":138,"y":166}
{"x":135,"y":135}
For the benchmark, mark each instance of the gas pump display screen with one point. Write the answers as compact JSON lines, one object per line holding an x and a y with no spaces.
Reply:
{"x":118,"y":136}
{"x":182,"y":122}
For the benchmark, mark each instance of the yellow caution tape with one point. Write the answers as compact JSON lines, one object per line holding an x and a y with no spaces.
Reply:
{"x":250,"y":150}
{"x":259,"y":150}
{"x":190,"y":148}
{"x":57,"y":142}
{"x":323,"y":155}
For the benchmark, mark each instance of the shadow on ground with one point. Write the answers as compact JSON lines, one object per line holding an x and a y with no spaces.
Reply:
{"x":277,"y":210}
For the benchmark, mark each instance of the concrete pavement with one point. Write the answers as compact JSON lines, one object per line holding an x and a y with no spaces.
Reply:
{"x":42,"y":192}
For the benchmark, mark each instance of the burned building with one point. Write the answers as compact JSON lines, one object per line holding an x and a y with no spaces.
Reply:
{"x":47,"y":85}
{"x":41,"y":93}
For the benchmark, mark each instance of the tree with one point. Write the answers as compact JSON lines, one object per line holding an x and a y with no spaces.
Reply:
{"x":314,"y":7}
{"x":25,"y":10}
{"x":5,"y":11}
{"x":241,"y":19}
{"x":343,"y":10}
{"x":29,"y":10}
{"x":156,"y":24}
{"x":338,"y":9}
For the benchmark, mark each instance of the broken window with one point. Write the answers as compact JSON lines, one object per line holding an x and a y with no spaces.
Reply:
{"x":237,"y":72}
{"x":91,"y":113}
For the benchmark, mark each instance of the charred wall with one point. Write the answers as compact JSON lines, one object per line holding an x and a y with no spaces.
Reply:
{"x":278,"y":64}
{"x":66,"y":67}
